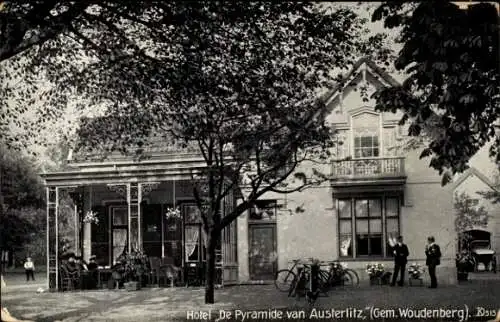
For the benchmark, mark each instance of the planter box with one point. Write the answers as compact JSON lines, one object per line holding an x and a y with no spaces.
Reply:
{"x":416,"y":281}
{"x":132,"y":286}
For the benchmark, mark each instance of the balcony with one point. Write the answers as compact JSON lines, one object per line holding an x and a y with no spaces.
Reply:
{"x":372,"y":171}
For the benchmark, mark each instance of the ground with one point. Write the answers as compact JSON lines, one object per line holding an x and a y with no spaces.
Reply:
{"x":168,"y":304}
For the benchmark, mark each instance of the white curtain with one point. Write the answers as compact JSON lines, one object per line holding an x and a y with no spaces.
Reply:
{"x":391,"y":239}
{"x":119,"y":242}
{"x":191,"y":235}
{"x":344,"y":246}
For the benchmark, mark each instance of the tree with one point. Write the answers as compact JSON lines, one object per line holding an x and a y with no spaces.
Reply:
{"x":467,"y":216}
{"x":240,"y":82}
{"x":22,"y":207}
{"x":451,"y":97}
{"x":20,"y":194}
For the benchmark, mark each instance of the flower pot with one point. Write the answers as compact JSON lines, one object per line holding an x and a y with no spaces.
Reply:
{"x":416,"y":281}
{"x":375,"y":280}
{"x":462,"y":276}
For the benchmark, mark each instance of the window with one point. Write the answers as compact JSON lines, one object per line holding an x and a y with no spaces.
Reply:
{"x":362,"y":223}
{"x":391,"y":221}
{"x":119,"y":232}
{"x":345,"y":228}
{"x":194,"y":236}
{"x":366,"y":130}
{"x":263,"y":210}
{"x":366,"y":144}
{"x":368,"y":224}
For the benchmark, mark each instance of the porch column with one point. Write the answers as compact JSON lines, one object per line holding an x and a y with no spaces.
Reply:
{"x":87,"y":227}
{"x":52,"y":238}
{"x":76,"y":195}
{"x":133,"y":203}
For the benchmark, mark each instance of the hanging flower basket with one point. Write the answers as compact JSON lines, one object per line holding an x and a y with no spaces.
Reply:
{"x":91,"y":218}
{"x":173,"y":213}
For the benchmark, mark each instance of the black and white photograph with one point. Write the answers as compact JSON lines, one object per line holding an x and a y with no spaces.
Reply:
{"x":249,"y":160}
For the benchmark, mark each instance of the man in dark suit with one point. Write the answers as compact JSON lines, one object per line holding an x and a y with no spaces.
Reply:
{"x":401,"y":253}
{"x":433,"y":253}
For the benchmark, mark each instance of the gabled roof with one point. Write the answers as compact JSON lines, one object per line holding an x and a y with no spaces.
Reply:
{"x":330,"y":95}
{"x":474,"y":172}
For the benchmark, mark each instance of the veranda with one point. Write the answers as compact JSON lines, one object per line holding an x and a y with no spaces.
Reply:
{"x":130,"y":201}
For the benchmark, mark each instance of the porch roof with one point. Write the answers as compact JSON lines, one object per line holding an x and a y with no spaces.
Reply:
{"x":125,"y":171}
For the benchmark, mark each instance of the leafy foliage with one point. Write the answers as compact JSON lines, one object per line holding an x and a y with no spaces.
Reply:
{"x":239,"y":81}
{"x":22,"y":207}
{"x":451,"y":95}
{"x":467,"y":216}
{"x":20,"y":184}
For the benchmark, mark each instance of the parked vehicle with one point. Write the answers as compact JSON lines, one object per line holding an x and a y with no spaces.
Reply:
{"x":482,"y":253}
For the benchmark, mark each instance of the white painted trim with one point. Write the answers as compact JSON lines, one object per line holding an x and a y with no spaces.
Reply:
{"x":57,"y":237}
{"x":381,"y":143}
{"x":375,"y":73}
{"x":47,"y":232}
{"x":362,"y":110}
{"x":364,"y":73}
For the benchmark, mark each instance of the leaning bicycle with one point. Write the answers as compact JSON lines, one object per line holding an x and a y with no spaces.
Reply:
{"x":308,"y":282}
{"x":340,"y":275}
{"x":285,"y":277}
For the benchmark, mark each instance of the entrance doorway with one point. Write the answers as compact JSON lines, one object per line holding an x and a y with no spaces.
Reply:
{"x":119,"y":232}
{"x":262,"y":251}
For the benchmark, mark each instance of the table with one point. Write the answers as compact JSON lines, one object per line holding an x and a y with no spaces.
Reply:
{"x":102,"y":271}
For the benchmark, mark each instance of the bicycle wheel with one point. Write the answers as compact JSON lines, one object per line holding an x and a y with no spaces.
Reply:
{"x":284,"y":279}
{"x":293,"y":288}
{"x":354,"y":276}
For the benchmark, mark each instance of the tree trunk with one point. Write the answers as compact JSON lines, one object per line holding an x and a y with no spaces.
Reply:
{"x":210,"y":267}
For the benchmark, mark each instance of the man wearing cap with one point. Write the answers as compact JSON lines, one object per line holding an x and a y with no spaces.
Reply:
{"x":433,"y":253}
{"x":401,"y":253}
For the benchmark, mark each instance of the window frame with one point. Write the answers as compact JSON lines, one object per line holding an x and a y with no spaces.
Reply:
{"x":368,"y":218}
{"x":114,"y":227}
{"x":362,"y":131}
{"x":354,"y":226}
{"x":274,"y":207}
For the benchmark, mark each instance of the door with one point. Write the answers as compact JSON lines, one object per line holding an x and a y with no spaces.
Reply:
{"x":119,"y":232}
{"x":262,"y":251}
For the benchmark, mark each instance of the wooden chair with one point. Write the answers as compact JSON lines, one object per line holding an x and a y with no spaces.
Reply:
{"x":155,"y":272}
{"x":171,"y":271}
{"x":67,"y":283}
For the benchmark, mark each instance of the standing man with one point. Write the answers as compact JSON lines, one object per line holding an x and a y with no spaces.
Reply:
{"x":433,"y":253}
{"x":401,"y":253}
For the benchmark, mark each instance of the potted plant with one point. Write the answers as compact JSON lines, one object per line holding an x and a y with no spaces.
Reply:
{"x":377,"y":274}
{"x":465,"y":264}
{"x":415,"y":271}
{"x":130,"y":269}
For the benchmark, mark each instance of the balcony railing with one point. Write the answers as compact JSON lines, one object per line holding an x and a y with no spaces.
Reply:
{"x":374,"y":167}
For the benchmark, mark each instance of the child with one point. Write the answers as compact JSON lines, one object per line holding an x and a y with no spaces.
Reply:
{"x":29,"y":268}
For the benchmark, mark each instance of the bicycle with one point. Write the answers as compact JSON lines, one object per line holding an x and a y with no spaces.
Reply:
{"x":341,"y":275}
{"x":285,"y":277}
{"x":309,"y":283}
